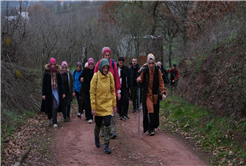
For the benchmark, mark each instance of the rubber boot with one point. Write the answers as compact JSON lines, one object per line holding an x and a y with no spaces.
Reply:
{"x":107,"y":139}
{"x":96,"y":133}
{"x":106,"y":149}
{"x":102,"y":131}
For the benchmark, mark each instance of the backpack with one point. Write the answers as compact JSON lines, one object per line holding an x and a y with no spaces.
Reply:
{"x":112,"y":63}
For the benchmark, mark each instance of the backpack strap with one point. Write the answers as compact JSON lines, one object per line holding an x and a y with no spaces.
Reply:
{"x":97,"y":77}
{"x":74,"y":72}
{"x":109,"y":77}
{"x":112,"y":63}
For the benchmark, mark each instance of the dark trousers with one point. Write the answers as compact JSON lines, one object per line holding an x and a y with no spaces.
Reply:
{"x":53,"y":114}
{"x":173,"y":86}
{"x":87,"y":105}
{"x":66,"y":111}
{"x":123,"y":103}
{"x":151,"y":118}
{"x":106,"y":119}
{"x":134,"y":94}
{"x":78,"y":99}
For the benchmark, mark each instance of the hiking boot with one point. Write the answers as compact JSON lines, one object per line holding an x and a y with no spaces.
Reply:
{"x":82,"y":115}
{"x":106,"y":149}
{"x":113,"y":135}
{"x":134,"y":111}
{"x":49,"y":122}
{"x":78,"y":115}
{"x":102,"y":134}
{"x":55,"y":126}
{"x":90,"y":121}
{"x":68,"y":119}
{"x":151,"y":132}
{"x":97,"y":142}
{"x":64,"y":120}
{"x":121,"y":117}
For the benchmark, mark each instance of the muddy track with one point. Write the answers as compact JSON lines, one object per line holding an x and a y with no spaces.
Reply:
{"x":73,"y":145}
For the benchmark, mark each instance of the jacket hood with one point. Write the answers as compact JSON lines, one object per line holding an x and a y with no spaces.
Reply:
{"x":103,"y":63}
{"x":58,"y":67}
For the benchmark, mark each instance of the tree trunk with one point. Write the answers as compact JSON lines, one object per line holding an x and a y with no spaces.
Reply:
{"x":137,"y":43}
{"x":184,"y":26}
{"x":170,"y":50}
{"x":42,"y":62}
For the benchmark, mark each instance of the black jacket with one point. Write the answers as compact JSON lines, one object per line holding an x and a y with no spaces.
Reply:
{"x":125,"y":77}
{"x":136,"y":75}
{"x":87,"y":74}
{"x":70,"y":84}
{"x":46,"y":105}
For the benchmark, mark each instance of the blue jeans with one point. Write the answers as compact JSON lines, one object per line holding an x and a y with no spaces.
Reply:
{"x":66,"y":112}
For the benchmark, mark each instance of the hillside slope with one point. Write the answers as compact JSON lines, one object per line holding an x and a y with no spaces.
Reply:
{"x":217,"y":79}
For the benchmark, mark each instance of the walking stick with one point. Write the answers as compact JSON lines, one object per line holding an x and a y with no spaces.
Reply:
{"x":138,"y":111}
{"x":81,"y":100}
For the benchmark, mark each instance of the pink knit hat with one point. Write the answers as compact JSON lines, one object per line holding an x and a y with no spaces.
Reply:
{"x":106,"y":49}
{"x":91,"y":60}
{"x":62,"y":64}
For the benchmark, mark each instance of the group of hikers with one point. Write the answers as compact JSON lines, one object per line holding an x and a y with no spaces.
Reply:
{"x":103,"y":89}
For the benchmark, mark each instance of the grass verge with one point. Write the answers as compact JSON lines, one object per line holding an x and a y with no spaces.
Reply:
{"x":223,"y":138}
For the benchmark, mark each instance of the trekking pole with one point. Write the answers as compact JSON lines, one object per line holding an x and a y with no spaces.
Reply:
{"x":138,"y":111}
{"x":81,"y":100}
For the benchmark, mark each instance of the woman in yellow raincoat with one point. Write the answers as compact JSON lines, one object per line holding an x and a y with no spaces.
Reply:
{"x":103,"y":101}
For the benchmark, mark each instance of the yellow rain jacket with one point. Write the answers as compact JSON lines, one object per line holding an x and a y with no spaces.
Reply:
{"x":102,"y":94}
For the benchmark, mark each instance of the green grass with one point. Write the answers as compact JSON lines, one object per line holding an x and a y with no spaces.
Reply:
{"x":222,"y":136}
{"x":72,"y":69}
{"x":174,"y":61}
{"x":11,"y":122}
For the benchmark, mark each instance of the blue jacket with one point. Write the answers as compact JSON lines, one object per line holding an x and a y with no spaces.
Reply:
{"x":77,"y":83}
{"x":131,"y":75}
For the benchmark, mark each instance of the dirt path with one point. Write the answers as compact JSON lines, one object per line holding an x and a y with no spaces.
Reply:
{"x":74,"y":145}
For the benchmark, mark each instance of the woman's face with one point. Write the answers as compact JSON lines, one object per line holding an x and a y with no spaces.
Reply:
{"x":107,"y":56}
{"x":91,"y":66}
{"x":105,"y":69}
{"x":151,"y":64}
{"x":64,"y":68}
{"x":121,"y":64}
{"x":78,"y":68}
{"x":53,"y":65}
